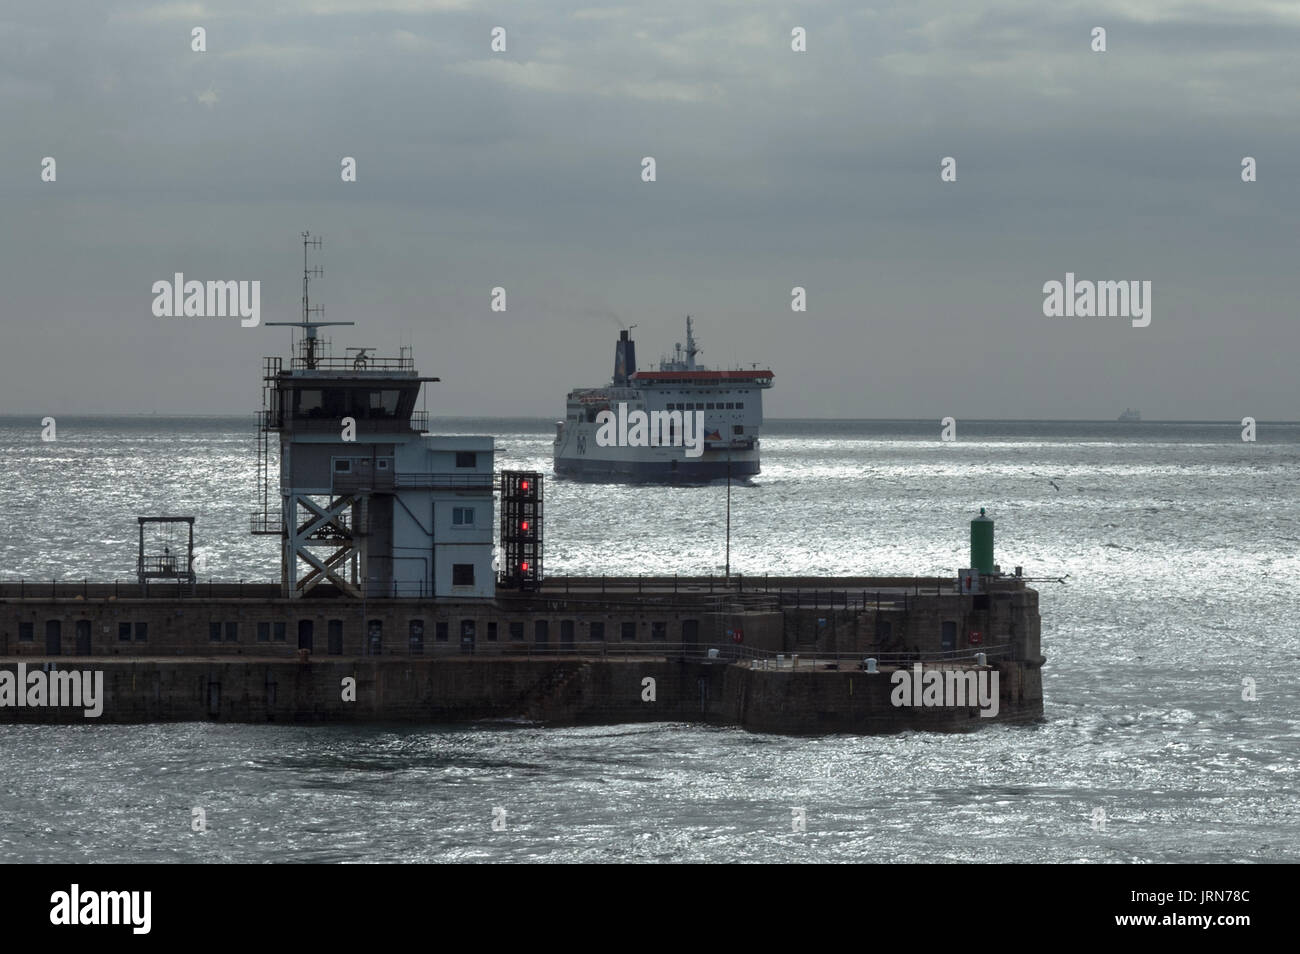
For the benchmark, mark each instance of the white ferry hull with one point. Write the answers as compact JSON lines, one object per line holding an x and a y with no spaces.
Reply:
{"x":579,"y":457}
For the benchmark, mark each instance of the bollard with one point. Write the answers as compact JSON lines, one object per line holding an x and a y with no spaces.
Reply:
{"x":870,"y":663}
{"x":981,"y":659}
{"x":780,"y":660}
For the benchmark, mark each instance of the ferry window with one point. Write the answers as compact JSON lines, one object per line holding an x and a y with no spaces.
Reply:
{"x":263,"y":632}
{"x":708,"y":407}
{"x":629,"y":630}
{"x":27,"y":632}
{"x":232,"y":633}
{"x":416,"y":629}
{"x":740,"y":405}
{"x":141,"y":632}
{"x":731,"y":405}
{"x":492,"y":631}
{"x":516,"y":630}
{"x":659,"y":629}
{"x":123,"y":632}
{"x":278,"y":632}
{"x":214,"y":632}
{"x":462,"y":516}
{"x":737,"y":429}
{"x":462,"y":574}
{"x":440,"y":631}
{"x":466,"y":459}
{"x":343,"y":466}
{"x":598,"y":630}
{"x":381,"y":464}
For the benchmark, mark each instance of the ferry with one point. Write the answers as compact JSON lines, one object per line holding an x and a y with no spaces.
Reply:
{"x":1130,"y":416}
{"x":729,"y":405}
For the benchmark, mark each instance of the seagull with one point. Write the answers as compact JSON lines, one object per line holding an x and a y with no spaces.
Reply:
{"x":1053,"y":483}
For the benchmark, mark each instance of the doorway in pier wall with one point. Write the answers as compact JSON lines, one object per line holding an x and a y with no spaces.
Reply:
{"x":949,"y":635}
{"x":335,"y":637}
{"x":83,"y":637}
{"x":305,"y":639}
{"x":53,"y":637}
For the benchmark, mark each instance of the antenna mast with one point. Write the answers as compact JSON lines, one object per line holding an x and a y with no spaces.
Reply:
{"x":309,"y":327}
{"x":307,"y":274}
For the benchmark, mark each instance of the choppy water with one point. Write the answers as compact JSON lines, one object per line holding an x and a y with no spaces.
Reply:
{"x":1180,"y":541}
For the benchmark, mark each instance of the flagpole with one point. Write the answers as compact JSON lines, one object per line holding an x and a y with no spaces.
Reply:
{"x":728,"y":570}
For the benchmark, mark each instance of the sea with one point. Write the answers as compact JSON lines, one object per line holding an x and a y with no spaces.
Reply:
{"x":1167,"y":556}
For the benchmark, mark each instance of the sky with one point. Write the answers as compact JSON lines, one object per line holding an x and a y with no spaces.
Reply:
{"x":774,"y":168}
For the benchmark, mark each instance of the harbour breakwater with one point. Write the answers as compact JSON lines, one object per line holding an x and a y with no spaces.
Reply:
{"x":783,"y":655}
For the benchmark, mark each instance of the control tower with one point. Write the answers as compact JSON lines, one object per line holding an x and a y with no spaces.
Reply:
{"x":368,"y":504}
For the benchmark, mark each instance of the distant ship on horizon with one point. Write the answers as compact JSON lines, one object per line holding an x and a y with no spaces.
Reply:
{"x":1130,"y":416}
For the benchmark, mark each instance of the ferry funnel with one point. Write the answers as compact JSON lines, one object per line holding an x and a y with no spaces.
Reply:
{"x":624,"y":359}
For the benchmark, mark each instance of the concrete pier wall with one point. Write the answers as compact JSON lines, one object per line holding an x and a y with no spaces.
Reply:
{"x":548,"y":691}
{"x":575,"y":652}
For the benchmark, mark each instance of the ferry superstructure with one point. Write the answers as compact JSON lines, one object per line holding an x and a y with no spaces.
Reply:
{"x":730,"y":401}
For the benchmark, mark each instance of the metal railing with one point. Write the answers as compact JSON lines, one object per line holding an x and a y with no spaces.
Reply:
{"x":265,"y":523}
{"x":380,"y":480}
{"x":353,"y":363}
{"x":720,"y":652}
{"x":279,"y":421}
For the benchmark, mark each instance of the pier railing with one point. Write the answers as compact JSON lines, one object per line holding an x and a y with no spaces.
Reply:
{"x":719,"y":652}
{"x":862,"y":595}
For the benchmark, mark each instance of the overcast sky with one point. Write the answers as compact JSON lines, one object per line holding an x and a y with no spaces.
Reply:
{"x":774,"y":169}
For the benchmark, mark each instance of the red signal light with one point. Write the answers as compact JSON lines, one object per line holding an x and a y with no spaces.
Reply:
{"x":524,"y":526}
{"x":524,"y":566}
{"x":524,"y":485}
